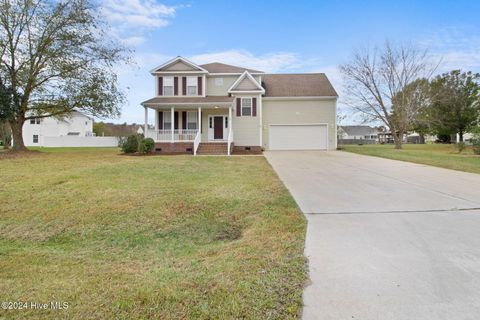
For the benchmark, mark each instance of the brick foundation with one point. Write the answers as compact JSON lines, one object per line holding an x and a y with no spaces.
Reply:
{"x":174,"y":148}
{"x":247,"y":150}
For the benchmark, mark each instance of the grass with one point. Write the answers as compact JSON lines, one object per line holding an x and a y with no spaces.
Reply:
{"x":439,"y":155}
{"x":165,"y":237}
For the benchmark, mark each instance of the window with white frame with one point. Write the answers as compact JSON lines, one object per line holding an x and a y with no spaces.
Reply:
{"x":35,"y":121}
{"x":192,"y":86}
{"x":168,"y":86}
{"x":246,"y":106}
{"x":167,"y":120}
{"x":192,"y":120}
{"x":219,"y":82}
{"x":35,"y":138}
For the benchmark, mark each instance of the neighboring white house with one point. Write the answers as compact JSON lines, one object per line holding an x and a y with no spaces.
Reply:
{"x":75,"y":130}
{"x":358,"y":133}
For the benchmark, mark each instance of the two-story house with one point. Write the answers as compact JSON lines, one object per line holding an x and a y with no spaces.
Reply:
{"x":219,"y":108}
{"x":35,"y":131}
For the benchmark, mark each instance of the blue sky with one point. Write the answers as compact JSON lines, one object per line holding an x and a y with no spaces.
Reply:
{"x":284,"y":36}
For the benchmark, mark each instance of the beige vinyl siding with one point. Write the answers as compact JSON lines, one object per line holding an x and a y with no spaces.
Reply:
{"x":213,"y":90}
{"x":180,"y":66}
{"x":246,"y":84}
{"x":298,"y":112}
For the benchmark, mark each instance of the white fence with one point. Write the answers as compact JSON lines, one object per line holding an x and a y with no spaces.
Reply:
{"x":75,"y":141}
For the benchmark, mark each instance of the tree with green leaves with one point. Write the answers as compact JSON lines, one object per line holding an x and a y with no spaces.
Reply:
{"x":56,"y":57}
{"x":455,"y":106}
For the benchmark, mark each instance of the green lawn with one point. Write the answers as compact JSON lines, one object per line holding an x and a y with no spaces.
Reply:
{"x":439,"y":155}
{"x":165,"y":237}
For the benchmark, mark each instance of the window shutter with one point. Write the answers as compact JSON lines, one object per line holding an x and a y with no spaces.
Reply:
{"x":160,"y":86}
{"x":160,"y":120}
{"x":239,"y":107}
{"x":184,"y":120}
{"x":254,"y":107}
{"x":175,"y":117}
{"x":184,"y":86}
{"x":175,"y":86}
{"x":199,"y":86}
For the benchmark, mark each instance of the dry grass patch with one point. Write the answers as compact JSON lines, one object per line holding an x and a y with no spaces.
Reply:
{"x":149,"y":237}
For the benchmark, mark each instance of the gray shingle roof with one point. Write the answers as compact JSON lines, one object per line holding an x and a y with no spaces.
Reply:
{"x":217,"y":67}
{"x":297,"y":85}
{"x":359,"y":130}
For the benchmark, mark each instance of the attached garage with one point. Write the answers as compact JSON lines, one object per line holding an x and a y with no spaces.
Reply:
{"x":298,"y":136}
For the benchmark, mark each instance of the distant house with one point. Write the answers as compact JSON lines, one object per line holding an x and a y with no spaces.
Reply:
{"x":77,"y":124}
{"x":357,"y":134}
{"x":75,"y":130}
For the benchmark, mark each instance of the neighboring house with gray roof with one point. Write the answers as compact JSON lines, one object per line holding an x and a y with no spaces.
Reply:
{"x":220,"y":108}
{"x":348,"y":133}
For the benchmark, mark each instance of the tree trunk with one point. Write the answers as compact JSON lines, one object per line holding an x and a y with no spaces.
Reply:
{"x":397,"y":138}
{"x":422,"y":138}
{"x":460,"y":136}
{"x":17,"y":127}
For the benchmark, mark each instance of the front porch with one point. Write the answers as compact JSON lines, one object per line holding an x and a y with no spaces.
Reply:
{"x":183,"y":129}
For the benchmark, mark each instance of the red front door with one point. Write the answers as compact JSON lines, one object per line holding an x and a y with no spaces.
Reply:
{"x":217,"y":128}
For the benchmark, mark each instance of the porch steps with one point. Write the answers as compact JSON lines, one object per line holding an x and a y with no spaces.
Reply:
{"x":206,"y":148}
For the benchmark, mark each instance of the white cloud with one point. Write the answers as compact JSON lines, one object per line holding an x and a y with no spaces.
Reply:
{"x":132,"y":19}
{"x":455,"y":47}
{"x":269,"y":62}
{"x":137,"y":13}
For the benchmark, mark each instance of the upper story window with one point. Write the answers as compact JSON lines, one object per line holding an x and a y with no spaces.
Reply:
{"x":192,"y":86}
{"x":35,"y":121}
{"x":219,"y":82}
{"x":246,"y":106}
{"x":168,"y":86}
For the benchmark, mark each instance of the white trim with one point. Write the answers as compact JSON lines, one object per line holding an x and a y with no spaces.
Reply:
{"x":174,"y":60}
{"x":301,"y":124}
{"x":233,"y":73}
{"x":160,"y":104}
{"x":302,"y":98}
{"x":335,"y":127}
{"x":251,"y":78}
{"x":260,"y":118}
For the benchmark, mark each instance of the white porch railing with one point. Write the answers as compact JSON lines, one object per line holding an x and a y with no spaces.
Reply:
{"x":179,"y":135}
{"x":196,"y":142}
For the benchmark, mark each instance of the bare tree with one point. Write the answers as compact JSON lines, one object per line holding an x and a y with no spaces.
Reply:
{"x":381,"y":81}
{"x":55,"y":57}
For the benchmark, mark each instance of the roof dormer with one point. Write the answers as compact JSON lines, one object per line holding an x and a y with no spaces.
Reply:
{"x":246,"y":83}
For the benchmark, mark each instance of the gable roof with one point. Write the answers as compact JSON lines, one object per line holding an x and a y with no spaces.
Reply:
{"x":359,"y":130}
{"x":217,"y":67}
{"x":178,"y":60}
{"x":298,"y":85}
{"x":246,"y":83}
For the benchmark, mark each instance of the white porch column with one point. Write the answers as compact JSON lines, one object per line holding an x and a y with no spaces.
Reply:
{"x":230,"y":120}
{"x":172,"y":123}
{"x":145,"y":131}
{"x":199,"y":119}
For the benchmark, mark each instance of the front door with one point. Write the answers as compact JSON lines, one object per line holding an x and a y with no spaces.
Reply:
{"x":218,"y":128}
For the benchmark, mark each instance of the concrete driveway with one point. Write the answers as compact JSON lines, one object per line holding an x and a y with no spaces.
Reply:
{"x":386,"y":239}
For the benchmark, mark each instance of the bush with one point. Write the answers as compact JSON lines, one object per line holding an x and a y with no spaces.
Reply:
{"x":146,"y":145}
{"x":130,"y":145}
{"x":460,"y":146}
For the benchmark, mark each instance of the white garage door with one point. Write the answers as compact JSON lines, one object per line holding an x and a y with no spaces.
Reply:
{"x":298,"y":137}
